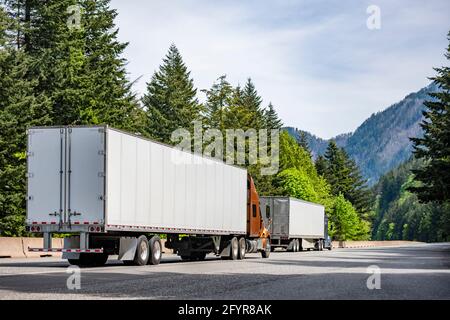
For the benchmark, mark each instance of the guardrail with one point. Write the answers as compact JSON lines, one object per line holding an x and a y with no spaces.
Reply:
{"x":368,"y":244}
{"x":17,"y":247}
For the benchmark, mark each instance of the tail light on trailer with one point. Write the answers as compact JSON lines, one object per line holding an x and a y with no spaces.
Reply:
{"x":95,"y":229}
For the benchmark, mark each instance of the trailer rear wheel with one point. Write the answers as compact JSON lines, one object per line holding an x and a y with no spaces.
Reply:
{"x":90,"y":260}
{"x":242,"y":247}
{"x":142,"y":251}
{"x":155,"y":250}
{"x":198,"y":256}
{"x":234,"y":248}
{"x":293,"y":245}
{"x":296,"y":245}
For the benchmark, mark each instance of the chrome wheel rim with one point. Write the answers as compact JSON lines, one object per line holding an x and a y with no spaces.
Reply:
{"x":144,"y":250}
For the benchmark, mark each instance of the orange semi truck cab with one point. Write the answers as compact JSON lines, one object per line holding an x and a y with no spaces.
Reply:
{"x":256,"y":228}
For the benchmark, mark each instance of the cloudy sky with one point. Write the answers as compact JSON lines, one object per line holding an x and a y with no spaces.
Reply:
{"x":317,"y":61}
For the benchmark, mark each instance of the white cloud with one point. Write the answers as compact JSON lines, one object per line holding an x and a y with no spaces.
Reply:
{"x":315,"y":60}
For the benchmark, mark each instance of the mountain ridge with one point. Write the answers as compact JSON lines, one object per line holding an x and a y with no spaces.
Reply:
{"x":382,"y":141}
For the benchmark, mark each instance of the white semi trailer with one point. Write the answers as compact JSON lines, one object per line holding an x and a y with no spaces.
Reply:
{"x":116,"y":193}
{"x":295,"y":224}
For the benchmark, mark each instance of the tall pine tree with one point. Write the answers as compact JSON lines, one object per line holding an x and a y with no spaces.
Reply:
{"x":271,"y":120}
{"x":321,"y":165}
{"x":345,"y":178}
{"x":218,"y":101}
{"x":434,"y":146}
{"x":77,"y":63}
{"x":20,"y":107}
{"x":51,"y":74}
{"x":170,"y":99}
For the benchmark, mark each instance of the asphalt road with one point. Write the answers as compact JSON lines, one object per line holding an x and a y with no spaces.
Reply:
{"x":419,"y":271}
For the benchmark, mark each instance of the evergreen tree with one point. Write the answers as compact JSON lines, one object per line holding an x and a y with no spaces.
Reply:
{"x":171,"y":98}
{"x":251,"y":102}
{"x":345,"y":178}
{"x":337,"y":173}
{"x":321,"y":165}
{"x":218,"y":101}
{"x":51,"y":74}
{"x":77,"y":67}
{"x":434,"y":146}
{"x":359,"y":194}
{"x":271,"y":118}
{"x":20,"y":107}
{"x":398,"y":213}
{"x":302,"y":141}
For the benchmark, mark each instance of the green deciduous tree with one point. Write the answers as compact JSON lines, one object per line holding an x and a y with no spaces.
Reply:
{"x":298,"y":184}
{"x":345,"y":223}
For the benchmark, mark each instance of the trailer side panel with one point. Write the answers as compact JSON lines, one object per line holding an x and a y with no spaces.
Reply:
{"x":156,"y":187}
{"x":306,"y":220}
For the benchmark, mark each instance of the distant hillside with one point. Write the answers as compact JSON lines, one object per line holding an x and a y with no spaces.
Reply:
{"x":398,"y":213}
{"x":316,"y":144}
{"x":382,"y":141}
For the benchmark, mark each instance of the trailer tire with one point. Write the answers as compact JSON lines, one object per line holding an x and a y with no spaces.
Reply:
{"x":100,"y":259}
{"x":242,"y":248}
{"x":89,"y":260}
{"x":296,"y":245}
{"x":197,"y":256}
{"x":142,"y":251}
{"x":155,"y":250}
{"x":234,"y":248}
{"x":74,"y":262}
{"x":293,"y":245}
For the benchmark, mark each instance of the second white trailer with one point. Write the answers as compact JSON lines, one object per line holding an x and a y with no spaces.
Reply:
{"x":295,"y":224}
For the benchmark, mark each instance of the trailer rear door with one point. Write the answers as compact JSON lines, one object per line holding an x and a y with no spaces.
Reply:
{"x":66,"y":175}
{"x":45,"y":172}
{"x":86,"y":174}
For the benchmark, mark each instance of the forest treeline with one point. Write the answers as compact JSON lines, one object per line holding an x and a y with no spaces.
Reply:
{"x":51,"y":74}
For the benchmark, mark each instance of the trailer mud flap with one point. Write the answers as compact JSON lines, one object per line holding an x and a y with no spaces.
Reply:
{"x":71,"y":242}
{"x":127,"y":249}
